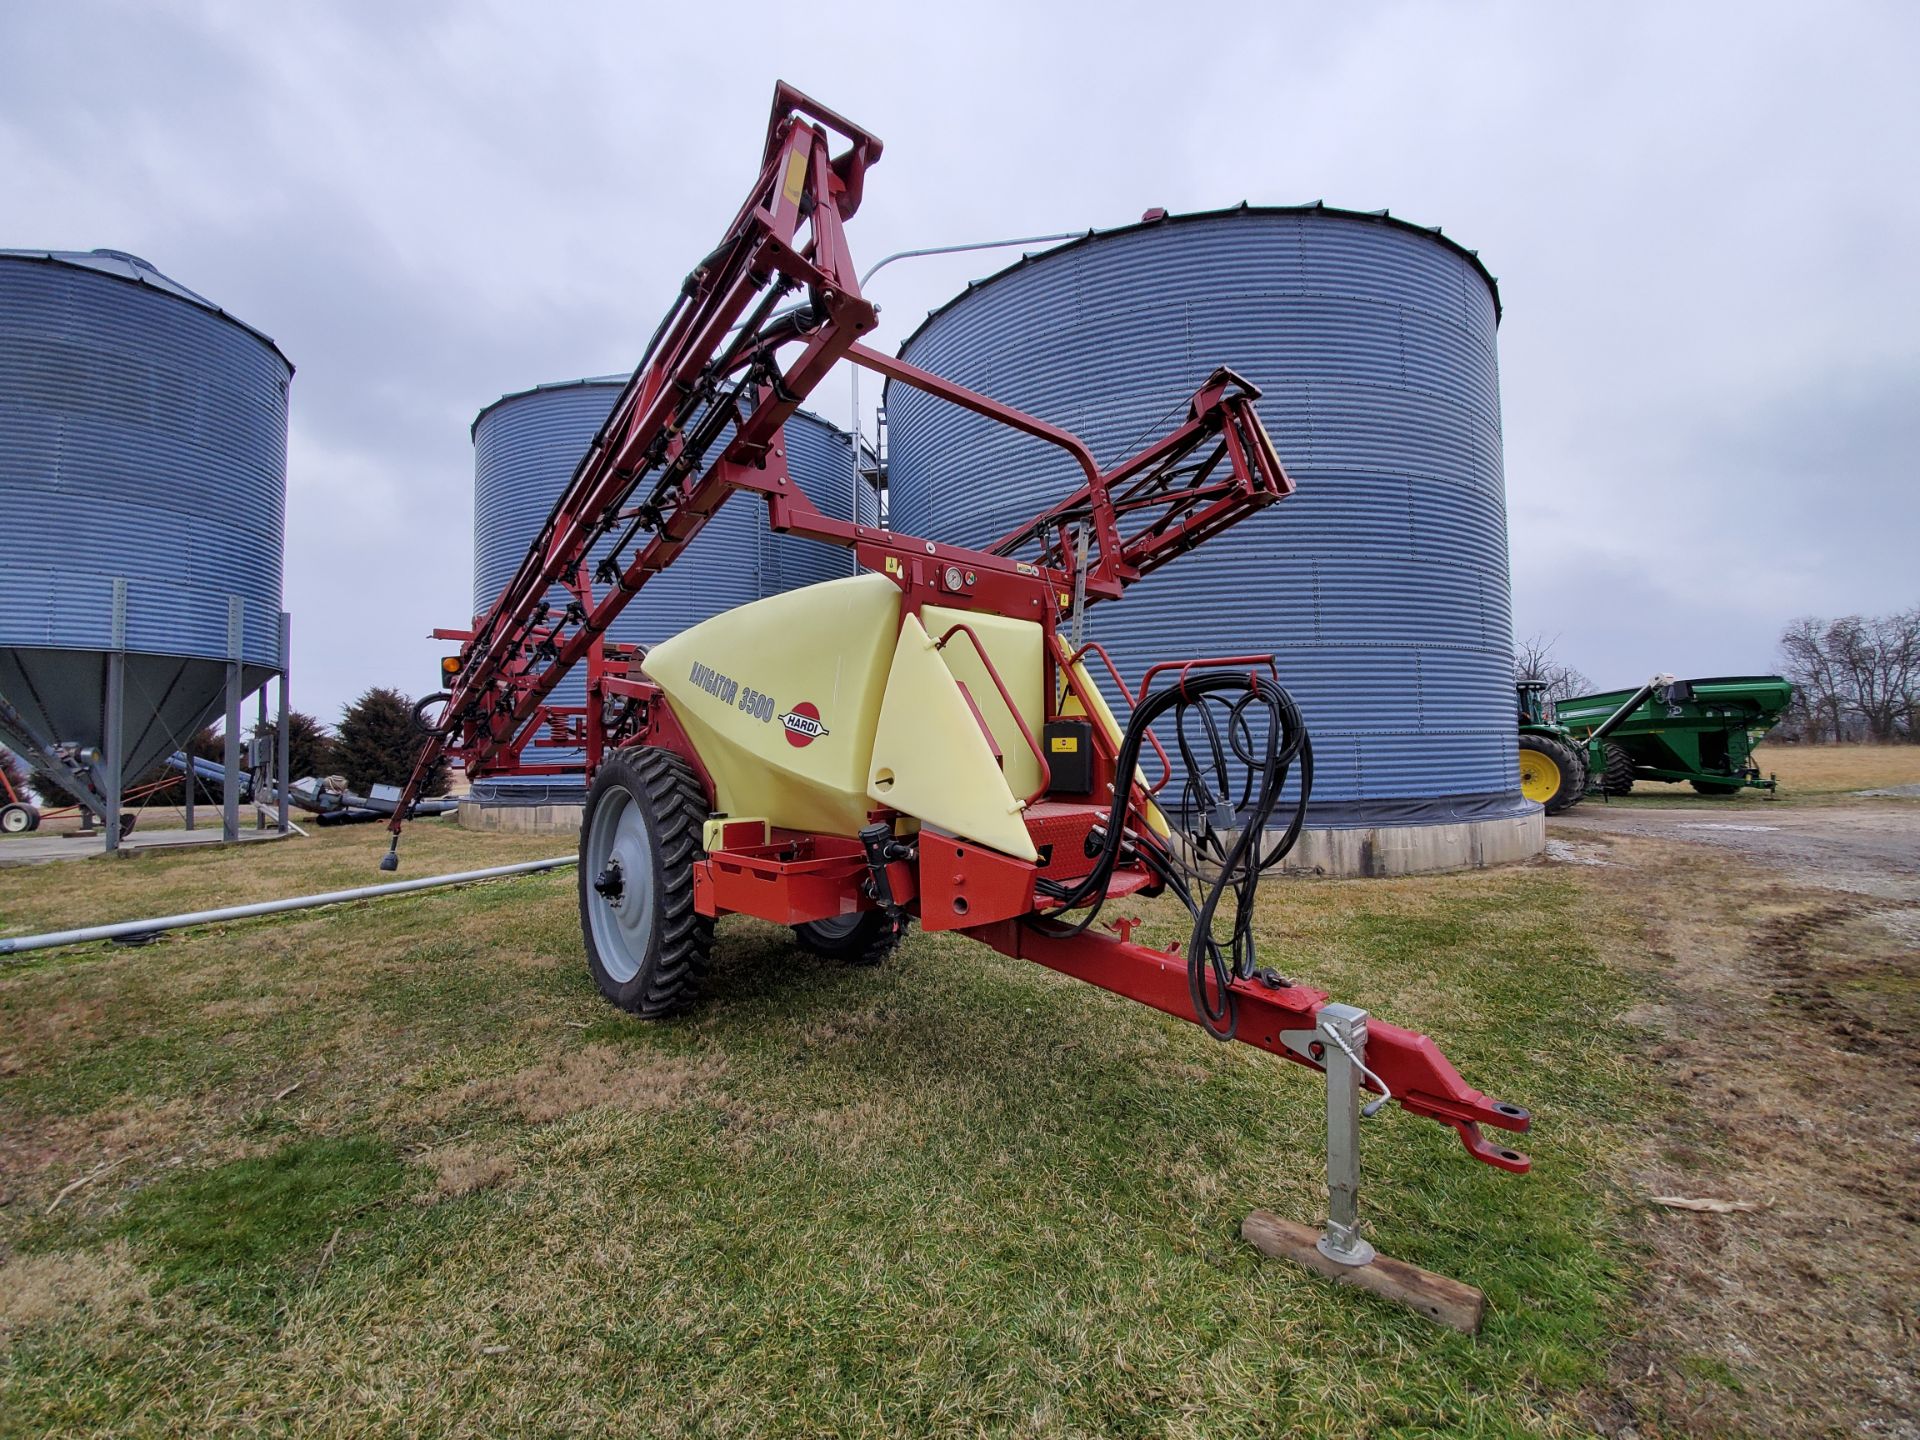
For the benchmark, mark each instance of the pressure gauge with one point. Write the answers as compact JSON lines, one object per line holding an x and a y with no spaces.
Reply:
{"x":953,"y":577}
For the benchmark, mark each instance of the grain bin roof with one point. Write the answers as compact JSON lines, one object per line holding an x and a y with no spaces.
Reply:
{"x":120,"y":265}
{"x":1318,"y":207}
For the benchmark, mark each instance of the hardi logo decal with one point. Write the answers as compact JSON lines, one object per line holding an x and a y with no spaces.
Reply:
{"x":802,"y":724}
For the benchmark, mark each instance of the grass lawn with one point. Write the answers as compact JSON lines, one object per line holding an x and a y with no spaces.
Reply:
{"x":1823,"y":773}
{"x":395,"y":1168}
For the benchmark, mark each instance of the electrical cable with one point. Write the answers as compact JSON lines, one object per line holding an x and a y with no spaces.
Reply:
{"x":1263,"y":739}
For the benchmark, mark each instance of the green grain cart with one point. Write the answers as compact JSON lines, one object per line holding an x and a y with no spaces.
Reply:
{"x":1700,"y":731}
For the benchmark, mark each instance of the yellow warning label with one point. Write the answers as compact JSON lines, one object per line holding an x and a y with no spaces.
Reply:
{"x":893,"y":565}
{"x":1064,"y":744}
{"x":796,"y":177}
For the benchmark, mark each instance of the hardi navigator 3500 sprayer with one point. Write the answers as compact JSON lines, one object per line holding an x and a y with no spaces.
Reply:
{"x":920,"y":741}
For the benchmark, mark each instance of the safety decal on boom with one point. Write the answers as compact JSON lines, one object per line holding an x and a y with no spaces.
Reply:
{"x":803,"y":724}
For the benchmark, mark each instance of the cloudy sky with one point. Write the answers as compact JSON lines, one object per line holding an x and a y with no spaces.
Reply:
{"x":1703,"y":218}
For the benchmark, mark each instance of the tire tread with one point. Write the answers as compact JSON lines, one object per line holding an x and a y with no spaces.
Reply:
{"x":1618,"y":777}
{"x":667,"y":785}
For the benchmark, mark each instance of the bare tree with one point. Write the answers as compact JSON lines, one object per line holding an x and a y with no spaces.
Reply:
{"x":1806,"y":659}
{"x":1857,"y":676}
{"x":1879,"y":656}
{"x":1533,"y":660}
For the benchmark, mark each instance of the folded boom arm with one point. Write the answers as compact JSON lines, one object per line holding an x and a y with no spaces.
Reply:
{"x":729,"y":355}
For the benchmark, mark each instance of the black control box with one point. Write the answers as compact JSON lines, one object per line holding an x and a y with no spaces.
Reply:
{"x":1069,"y":746}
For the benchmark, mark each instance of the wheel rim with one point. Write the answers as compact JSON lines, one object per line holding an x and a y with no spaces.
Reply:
{"x":15,"y":821}
{"x":838,"y":928}
{"x":1539,"y":777}
{"x":622,"y":921}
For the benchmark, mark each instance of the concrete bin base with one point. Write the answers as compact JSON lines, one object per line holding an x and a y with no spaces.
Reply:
{"x":533,"y":819}
{"x":1418,"y":849}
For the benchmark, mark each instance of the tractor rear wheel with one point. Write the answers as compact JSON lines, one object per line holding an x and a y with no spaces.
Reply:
{"x":646,"y":946}
{"x":865,"y":938}
{"x":1618,"y":779}
{"x":1549,"y":773}
{"x":1714,"y":787}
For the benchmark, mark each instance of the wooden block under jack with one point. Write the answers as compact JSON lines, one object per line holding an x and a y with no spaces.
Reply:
{"x":1446,"y":1302}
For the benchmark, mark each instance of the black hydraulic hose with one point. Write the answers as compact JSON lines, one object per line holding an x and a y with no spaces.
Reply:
{"x":1211,"y":969}
{"x":439,"y":697}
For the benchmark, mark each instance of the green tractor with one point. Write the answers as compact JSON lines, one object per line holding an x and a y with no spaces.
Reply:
{"x":1553,"y":764}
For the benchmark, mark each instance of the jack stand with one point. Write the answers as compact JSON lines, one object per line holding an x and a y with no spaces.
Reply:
{"x":1339,"y":1252}
{"x":1343,"y":1037}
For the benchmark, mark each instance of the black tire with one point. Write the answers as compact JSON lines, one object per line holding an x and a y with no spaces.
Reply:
{"x":21,"y":819}
{"x":1562,"y":759}
{"x":650,"y":960}
{"x":1618,"y":778}
{"x":866,"y":938}
{"x":1714,"y":787}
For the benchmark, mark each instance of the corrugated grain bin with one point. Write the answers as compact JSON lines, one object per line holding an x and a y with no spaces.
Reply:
{"x":1381,"y":586}
{"x":143,"y":461}
{"x":525,"y":448}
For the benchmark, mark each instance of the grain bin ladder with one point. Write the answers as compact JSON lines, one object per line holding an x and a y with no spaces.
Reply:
{"x":920,"y":742}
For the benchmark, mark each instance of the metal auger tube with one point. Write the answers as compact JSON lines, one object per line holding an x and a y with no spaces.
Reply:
{"x":1607,"y":726}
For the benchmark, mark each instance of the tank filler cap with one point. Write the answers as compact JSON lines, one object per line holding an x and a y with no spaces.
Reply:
{"x":1157,"y":212}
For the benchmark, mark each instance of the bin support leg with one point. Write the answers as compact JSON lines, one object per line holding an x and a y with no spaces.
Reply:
{"x":230,"y":794}
{"x":112,"y":774}
{"x":113,"y":766}
{"x":259,"y":772}
{"x":281,"y":748}
{"x":1339,"y":1251}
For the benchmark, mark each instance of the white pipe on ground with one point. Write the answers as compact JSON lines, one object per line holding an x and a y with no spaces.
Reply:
{"x":120,"y":929}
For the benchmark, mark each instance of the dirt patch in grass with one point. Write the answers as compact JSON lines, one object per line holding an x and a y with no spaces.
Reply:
{"x":1802,"y":1095}
{"x":40,"y":1155}
{"x":594,"y":1075}
{"x":1834,"y":963}
{"x":245,"y":1009}
{"x":68,"y":1022}
{"x":463,"y":1169}
{"x":101,"y":1286}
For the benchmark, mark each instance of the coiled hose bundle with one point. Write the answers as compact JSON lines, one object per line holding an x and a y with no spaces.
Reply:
{"x":1239,"y":736}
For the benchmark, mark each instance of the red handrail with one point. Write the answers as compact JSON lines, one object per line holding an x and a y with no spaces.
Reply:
{"x":1212,"y":662}
{"x":1046,"y":770}
{"x":1166,"y":765}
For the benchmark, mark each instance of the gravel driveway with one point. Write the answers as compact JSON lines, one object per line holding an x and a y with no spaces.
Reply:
{"x":1862,"y":849}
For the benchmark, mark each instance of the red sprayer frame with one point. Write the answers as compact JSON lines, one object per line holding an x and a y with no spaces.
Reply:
{"x":729,"y":354}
